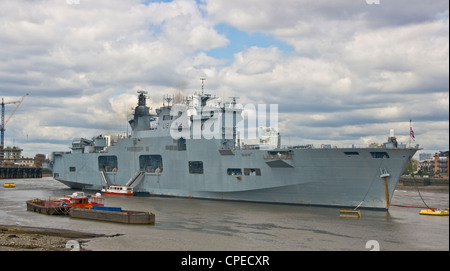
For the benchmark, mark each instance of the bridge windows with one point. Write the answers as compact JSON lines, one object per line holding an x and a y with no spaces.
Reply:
{"x":379,"y":154}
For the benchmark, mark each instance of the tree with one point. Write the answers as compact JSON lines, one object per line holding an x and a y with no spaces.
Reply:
{"x":412,"y":167}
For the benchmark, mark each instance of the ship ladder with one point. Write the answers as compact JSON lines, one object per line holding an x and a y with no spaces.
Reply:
{"x":136,"y":179}
{"x":104,"y":179}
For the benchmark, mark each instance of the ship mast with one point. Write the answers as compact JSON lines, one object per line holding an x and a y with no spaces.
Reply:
{"x":167,"y":99}
{"x":203,"y":84}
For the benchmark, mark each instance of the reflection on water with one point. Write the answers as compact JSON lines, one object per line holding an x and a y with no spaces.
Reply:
{"x":191,"y":224}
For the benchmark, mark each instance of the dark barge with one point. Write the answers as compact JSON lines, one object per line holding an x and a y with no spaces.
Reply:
{"x":116,"y":215}
{"x":49,"y":207}
{"x":93,"y":209}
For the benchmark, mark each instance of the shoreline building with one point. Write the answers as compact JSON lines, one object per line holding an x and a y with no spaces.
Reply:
{"x":438,"y":164}
{"x":12,"y":156}
{"x":14,"y":166}
{"x":441,"y":163}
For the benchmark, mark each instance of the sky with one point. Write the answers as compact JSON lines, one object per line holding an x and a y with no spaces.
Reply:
{"x":342,"y":72}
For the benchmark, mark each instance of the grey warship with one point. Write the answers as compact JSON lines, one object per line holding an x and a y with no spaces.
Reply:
{"x":171,"y":153}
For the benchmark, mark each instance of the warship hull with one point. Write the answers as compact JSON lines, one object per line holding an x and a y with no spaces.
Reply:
{"x":326,"y":177}
{"x":153,"y":161}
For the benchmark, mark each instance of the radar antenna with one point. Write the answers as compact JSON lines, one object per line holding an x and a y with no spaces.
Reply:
{"x":142,"y":98}
{"x":168,"y":99}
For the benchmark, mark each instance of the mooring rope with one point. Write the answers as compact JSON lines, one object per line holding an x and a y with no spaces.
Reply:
{"x":419,"y":207}
{"x":407,"y":206}
{"x":421,"y":195}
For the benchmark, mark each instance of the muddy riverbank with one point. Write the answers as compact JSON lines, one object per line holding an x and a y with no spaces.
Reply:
{"x":22,"y":238}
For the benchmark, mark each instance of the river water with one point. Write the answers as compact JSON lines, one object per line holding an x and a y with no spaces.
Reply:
{"x":209,"y":225}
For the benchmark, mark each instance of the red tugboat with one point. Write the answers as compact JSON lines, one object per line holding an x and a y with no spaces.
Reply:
{"x":80,"y":199}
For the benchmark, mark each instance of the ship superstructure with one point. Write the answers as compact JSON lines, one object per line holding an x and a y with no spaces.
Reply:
{"x":193,"y":149}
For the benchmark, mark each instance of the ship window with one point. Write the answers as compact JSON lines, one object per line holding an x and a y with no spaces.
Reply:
{"x":252,"y":172}
{"x":379,"y":154}
{"x":234,"y":171}
{"x":351,"y":153}
{"x":196,"y":167}
{"x":73,"y":169}
{"x":108,"y":163}
{"x":181,"y":144}
{"x":151,"y":163}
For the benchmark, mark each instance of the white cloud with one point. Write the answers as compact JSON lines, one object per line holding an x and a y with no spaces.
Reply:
{"x":356,"y":71}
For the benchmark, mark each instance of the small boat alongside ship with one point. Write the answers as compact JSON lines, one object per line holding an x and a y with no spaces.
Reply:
{"x":118,"y":190}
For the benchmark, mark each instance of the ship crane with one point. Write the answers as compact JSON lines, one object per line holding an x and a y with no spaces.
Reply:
{"x":3,"y":124}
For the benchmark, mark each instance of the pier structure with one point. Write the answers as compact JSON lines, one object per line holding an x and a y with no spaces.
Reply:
{"x":20,"y":172}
